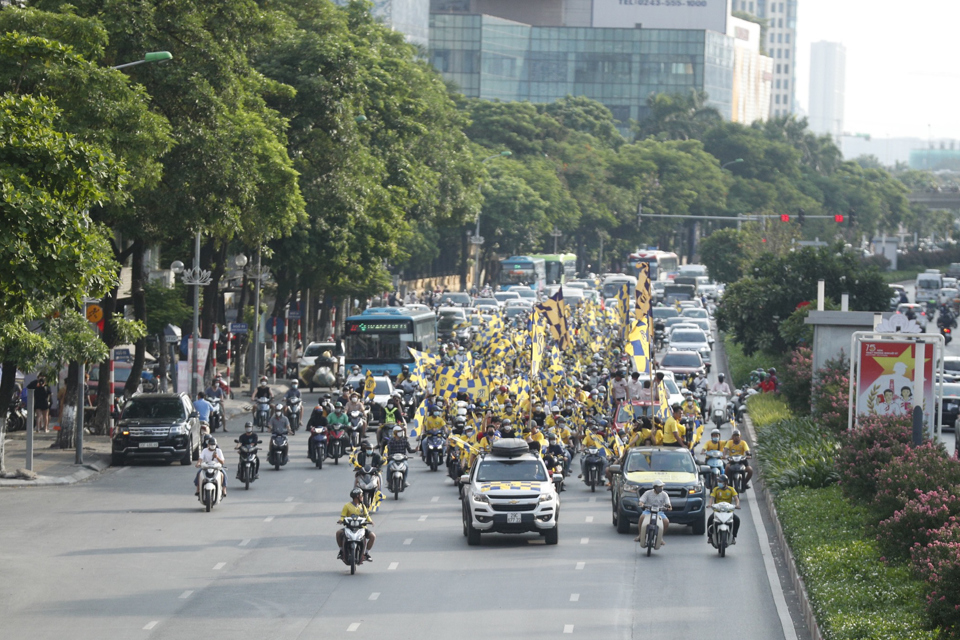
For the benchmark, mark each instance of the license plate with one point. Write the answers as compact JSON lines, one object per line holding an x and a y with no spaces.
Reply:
{"x":513,"y":518}
{"x":149,"y":445}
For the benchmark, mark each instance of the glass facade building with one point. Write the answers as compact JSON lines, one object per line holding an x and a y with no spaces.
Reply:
{"x":409,"y":17}
{"x":496,"y":59}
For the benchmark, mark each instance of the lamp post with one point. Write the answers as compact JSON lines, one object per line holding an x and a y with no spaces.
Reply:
{"x":241,"y":261}
{"x":195,"y":277}
{"x":153,"y":56}
{"x":727,"y":164}
{"x":476,"y":239}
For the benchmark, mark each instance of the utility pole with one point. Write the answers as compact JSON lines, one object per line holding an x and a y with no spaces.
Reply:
{"x":556,"y":233}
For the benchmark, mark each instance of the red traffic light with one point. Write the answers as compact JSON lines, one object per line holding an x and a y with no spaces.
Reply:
{"x":838,"y":218}
{"x":784,"y":217}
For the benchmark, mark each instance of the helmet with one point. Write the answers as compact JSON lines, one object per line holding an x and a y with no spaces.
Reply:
{"x":602,"y":389}
{"x":658,"y":482}
{"x":506,"y":422}
{"x":366,"y":445}
{"x":772,"y":371}
{"x":503,"y":389}
{"x":459,"y":420}
{"x":723,"y":478}
{"x":404,"y":369}
{"x":295,"y":384}
{"x":555,"y":409}
{"x":686,"y":392}
{"x":551,"y":438}
{"x":248,"y":426}
{"x":736,"y":432}
{"x":398,"y":429}
{"x":278,"y":407}
{"x":339,"y":405}
{"x":355,"y":493}
{"x":263,"y":379}
{"x":212,"y":443}
{"x":720,"y":377}
{"x":715,"y":432}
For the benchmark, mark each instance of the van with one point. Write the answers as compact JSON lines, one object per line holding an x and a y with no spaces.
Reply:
{"x":928,"y":286}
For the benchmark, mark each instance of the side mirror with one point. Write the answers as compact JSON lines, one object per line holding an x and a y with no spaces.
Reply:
{"x":194,"y":414}
{"x":465,"y":479}
{"x":705,"y":469}
{"x":614,"y":468}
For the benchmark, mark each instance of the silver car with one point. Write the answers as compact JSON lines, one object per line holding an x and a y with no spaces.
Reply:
{"x":683,"y":339}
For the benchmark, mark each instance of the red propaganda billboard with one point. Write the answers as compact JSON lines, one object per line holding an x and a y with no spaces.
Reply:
{"x":886,"y":379}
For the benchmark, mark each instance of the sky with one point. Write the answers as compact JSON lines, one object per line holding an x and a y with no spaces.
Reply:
{"x":903,"y":79}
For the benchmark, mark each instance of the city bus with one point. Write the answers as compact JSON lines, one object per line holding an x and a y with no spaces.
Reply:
{"x":561,"y":267}
{"x":662,"y":263}
{"x":378,"y":338}
{"x":523,"y":271}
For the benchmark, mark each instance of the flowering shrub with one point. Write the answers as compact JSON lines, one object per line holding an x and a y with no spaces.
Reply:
{"x":866,"y":450}
{"x":797,"y":382}
{"x":924,"y":468}
{"x":938,"y":563}
{"x":916,"y":523}
{"x":830,"y":394}
{"x":796,"y":452}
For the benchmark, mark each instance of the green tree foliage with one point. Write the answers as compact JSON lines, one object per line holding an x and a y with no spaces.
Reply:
{"x":724,"y":252}
{"x":678,"y":117}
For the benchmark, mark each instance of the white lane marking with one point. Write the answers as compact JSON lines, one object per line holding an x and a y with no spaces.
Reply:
{"x":393,"y":566}
{"x":408,"y":541}
{"x":589,"y":518}
{"x":150,"y":625}
{"x":421,"y":518}
{"x":219,"y":565}
{"x":584,"y":540}
{"x":568,"y":628}
{"x":374,"y":595}
{"x":121,"y":469}
{"x":353,"y":626}
{"x":593,"y":499}
{"x":580,"y":566}
{"x":435,"y":499}
{"x":268,"y":519}
{"x":308,"y":481}
{"x":574,"y":597}
{"x":245,"y":542}
{"x":290,"y":499}
{"x":789,"y":633}
{"x":185,"y":595}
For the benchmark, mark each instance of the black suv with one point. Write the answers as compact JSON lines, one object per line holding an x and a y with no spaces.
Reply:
{"x":681,"y":476}
{"x":157,"y":426}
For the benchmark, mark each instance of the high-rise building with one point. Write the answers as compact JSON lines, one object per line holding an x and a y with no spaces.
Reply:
{"x":781,"y":46}
{"x":828,"y":65}
{"x":409,"y":17}
{"x":752,"y":72}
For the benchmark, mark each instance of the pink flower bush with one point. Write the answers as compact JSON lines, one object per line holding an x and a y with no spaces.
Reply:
{"x":924,"y":468}
{"x":938,"y":563}
{"x":831,"y":394}
{"x":797,"y":382}
{"x":864,"y":451}
{"x":915,"y":524}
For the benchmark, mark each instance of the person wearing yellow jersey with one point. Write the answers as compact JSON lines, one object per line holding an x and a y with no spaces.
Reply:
{"x":736,"y":446}
{"x":691,"y":408}
{"x":723,"y":492}
{"x":592,"y":440}
{"x":536,"y":436}
{"x":434,"y":421}
{"x":503,"y":396}
{"x":714,"y":443}
{"x":643,"y":433}
{"x":673,"y":430}
{"x":356,"y":508}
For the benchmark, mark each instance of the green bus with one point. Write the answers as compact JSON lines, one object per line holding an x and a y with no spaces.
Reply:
{"x":561,"y":267}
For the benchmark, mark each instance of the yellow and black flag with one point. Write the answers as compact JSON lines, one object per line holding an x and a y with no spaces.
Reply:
{"x":555,"y":312}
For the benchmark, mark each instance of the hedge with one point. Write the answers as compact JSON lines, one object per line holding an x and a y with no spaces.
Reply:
{"x":741,"y":365}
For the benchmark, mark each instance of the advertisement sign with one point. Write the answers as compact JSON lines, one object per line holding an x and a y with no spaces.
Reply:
{"x":708,"y":15}
{"x":886,"y":379}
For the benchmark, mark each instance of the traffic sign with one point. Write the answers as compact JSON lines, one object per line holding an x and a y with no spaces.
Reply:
{"x":238,"y":327}
{"x":94,"y":313}
{"x":294,"y":314}
{"x":122,"y":355}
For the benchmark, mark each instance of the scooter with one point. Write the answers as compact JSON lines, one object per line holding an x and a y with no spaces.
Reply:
{"x":592,"y":464}
{"x":248,"y":463}
{"x":652,"y":525}
{"x":354,"y":541}
{"x":735,"y":468}
{"x":262,"y":414}
{"x":211,"y":484}
{"x":294,"y":410}
{"x":721,"y":535}
{"x":216,"y":415}
{"x":947,"y":335}
{"x":277,"y":455}
{"x":368,"y":481}
{"x":718,"y":410}
{"x":318,"y":445}
{"x":396,"y":470}
{"x":714,"y":460}
{"x":336,"y":443}
{"x":356,"y":428}
{"x":433,"y":446}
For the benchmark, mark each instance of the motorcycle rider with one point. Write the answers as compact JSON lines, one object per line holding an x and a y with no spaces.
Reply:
{"x":720,"y":387}
{"x":338,"y":419}
{"x":211,"y":453}
{"x":279,"y":424}
{"x":723,"y":492}
{"x":354,"y":404}
{"x":356,"y":508}
{"x":368,"y":455}
{"x":715,"y":443}
{"x":203,"y":408}
{"x":404,"y":375}
{"x":655,"y":497}
{"x":263,"y":391}
{"x":294,"y":392}
{"x":248,"y":437}
{"x":393,"y":413}
{"x":735,"y":446}
{"x":317,"y":422}
{"x":399,"y":444}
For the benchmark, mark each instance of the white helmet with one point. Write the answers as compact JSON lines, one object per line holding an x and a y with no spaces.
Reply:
{"x":658,"y":482}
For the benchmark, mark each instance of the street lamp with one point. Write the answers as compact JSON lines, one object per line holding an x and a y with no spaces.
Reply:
{"x":195,"y":277}
{"x":476,"y":239}
{"x":153,"y":56}
{"x":727,"y":164}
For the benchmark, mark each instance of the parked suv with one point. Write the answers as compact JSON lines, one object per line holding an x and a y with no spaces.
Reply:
{"x":681,"y":475}
{"x":510,"y":491}
{"x":157,"y":426}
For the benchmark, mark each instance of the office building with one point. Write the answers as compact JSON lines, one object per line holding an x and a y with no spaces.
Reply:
{"x":409,"y":17}
{"x":752,"y":73}
{"x":781,"y":46}
{"x":828,"y":63}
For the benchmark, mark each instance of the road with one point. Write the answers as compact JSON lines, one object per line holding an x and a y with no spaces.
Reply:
{"x":132,"y":555}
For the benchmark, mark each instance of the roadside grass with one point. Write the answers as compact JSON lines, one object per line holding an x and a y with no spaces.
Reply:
{"x":909,"y":274}
{"x":741,"y":365}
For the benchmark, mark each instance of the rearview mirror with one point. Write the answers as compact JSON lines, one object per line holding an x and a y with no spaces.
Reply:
{"x":465,"y":479}
{"x":614,"y":468}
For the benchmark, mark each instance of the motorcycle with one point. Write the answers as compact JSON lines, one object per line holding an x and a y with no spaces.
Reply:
{"x":318,"y":450}
{"x":356,"y":428}
{"x":718,"y":410}
{"x":396,"y":470}
{"x":16,"y":416}
{"x":323,"y":377}
{"x":368,"y":481}
{"x":262,"y":414}
{"x":248,"y":463}
{"x":294,"y":411}
{"x":336,"y":443}
{"x":947,"y":335}
{"x":735,"y":468}
{"x":216,"y":414}
{"x":652,"y":526}
{"x":433,"y":447}
{"x":592,"y":464}
{"x":211,"y":484}
{"x":354,"y":541}
{"x":714,"y":460}
{"x":277,"y":455}
{"x":721,"y":535}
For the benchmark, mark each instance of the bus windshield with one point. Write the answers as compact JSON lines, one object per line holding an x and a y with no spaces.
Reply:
{"x":518,"y":274}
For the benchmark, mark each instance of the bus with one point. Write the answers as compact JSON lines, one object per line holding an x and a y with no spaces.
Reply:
{"x":561,"y":267}
{"x":378,"y":338}
{"x":662,"y":263}
{"x":523,"y":270}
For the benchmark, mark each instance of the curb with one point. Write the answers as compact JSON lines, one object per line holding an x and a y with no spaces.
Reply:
{"x":806,"y":608}
{"x":86,"y":471}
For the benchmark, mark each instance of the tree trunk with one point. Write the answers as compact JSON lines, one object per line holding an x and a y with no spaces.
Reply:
{"x":68,"y":408}
{"x":101,"y":417}
{"x":323,"y":328}
{"x":139,"y":313}
{"x":240,"y":349}
{"x":7,"y":383}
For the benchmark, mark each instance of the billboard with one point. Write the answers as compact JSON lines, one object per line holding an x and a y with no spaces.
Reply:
{"x":887,"y":372}
{"x":710,"y":15}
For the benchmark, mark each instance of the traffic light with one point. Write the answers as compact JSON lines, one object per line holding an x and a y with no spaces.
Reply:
{"x":801,"y":216}
{"x":838,"y":218}
{"x":784,"y":217}
{"x":852,"y":216}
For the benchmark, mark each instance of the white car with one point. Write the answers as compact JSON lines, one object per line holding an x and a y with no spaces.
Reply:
{"x":503,"y":296}
{"x":525,"y":293}
{"x":486,"y":303}
{"x":670,"y":384}
{"x":948,"y":295}
{"x":682,"y":339}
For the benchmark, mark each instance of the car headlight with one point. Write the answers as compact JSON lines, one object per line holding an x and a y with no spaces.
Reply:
{"x":545,"y":497}
{"x":480,"y":497}
{"x":695,"y":489}
{"x":631,"y":488}
{"x":178,"y":430}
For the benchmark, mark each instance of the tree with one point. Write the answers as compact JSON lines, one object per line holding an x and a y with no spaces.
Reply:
{"x":725,"y":255}
{"x":678,"y":117}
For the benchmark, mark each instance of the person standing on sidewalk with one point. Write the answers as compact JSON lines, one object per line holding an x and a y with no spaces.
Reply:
{"x":41,"y":403}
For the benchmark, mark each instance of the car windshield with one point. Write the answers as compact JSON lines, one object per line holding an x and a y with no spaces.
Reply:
{"x":455,"y":298}
{"x":510,"y":470}
{"x":141,"y":408}
{"x":665,"y":312}
{"x":686,"y":335}
{"x":318,"y":349}
{"x":485,"y":302}
{"x":628,"y":412}
{"x":449,"y":323}
{"x":694,"y":313}
{"x":951,"y":389}
{"x":382,"y":388}
{"x":503,"y":296}
{"x":930,"y":283}
{"x":671,"y":322}
{"x":681,"y":359}
{"x":667,"y":461}
{"x":526,"y":293}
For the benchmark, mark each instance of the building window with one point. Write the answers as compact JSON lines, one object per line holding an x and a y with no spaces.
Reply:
{"x":751,"y":7}
{"x":788,"y":37}
{"x":779,"y":37}
{"x":780,"y":23}
{"x":786,"y":83}
{"x":778,"y":84}
{"x":778,"y":68}
{"x":786,"y":53}
{"x":777,"y":98}
{"x":786,"y":69}
{"x":778,"y":52}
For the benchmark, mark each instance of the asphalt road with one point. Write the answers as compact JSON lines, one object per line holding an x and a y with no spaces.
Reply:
{"x":133,"y":555}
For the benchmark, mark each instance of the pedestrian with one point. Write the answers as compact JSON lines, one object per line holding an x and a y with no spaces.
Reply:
{"x":41,"y":403}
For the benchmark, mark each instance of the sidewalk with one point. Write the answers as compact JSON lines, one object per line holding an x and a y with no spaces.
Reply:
{"x":54,"y":466}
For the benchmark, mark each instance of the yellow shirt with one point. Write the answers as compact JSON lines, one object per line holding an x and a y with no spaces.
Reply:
{"x":565,"y":435}
{"x":591,"y":440}
{"x":351,"y":509}
{"x":726,"y":494}
{"x":710,"y":446}
{"x":434,"y":423}
{"x":673,"y":430}
{"x":740,"y":449}
{"x":538,"y":437}
{"x":691,"y":408}
{"x":639,"y":437}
